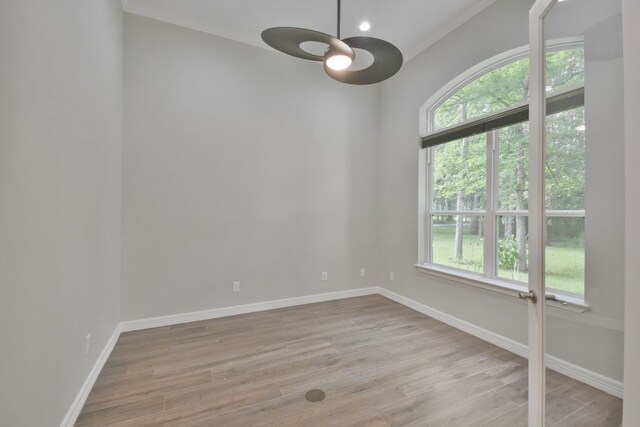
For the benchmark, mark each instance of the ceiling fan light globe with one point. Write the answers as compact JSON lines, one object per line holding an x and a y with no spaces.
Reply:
{"x":338,"y":62}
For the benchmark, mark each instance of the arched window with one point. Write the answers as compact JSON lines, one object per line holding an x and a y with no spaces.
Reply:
{"x":476,"y":173}
{"x":506,"y":86}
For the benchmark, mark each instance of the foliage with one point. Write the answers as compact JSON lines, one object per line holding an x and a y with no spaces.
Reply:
{"x":508,"y":85}
{"x":565,"y":168}
{"x":456,"y":169}
{"x":564,"y":261}
{"x":460,"y":167}
{"x":508,"y":252}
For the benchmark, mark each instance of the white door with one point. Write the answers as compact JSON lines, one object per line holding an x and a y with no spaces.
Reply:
{"x":575,"y":195}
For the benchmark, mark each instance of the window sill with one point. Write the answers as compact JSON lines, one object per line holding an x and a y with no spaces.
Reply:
{"x":574,"y":304}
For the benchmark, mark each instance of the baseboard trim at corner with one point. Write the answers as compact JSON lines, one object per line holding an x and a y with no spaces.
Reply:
{"x":599,"y":381}
{"x":134,"y":325}
{"x":76,"y":407}
{"x":174,"y":319}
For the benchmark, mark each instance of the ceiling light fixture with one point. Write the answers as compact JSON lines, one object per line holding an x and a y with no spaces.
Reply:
{"x":364,"y":26}
{"x":339,"y":54}
{"x":338,"y":62}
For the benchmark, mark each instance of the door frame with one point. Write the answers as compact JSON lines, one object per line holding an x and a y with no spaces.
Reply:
{"x":537,"y":286}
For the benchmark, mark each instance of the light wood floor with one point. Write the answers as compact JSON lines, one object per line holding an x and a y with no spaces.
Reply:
{"x":380,"y":364}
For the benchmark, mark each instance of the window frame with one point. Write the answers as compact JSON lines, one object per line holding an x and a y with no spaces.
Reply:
{"x":489,"y":277}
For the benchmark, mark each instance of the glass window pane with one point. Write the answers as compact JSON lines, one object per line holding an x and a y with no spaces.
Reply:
{"x":494,"y":91}
{"x":508,"y":85}
{"x":565,"y":254}
{"x":513,"y":247}
{"x":565,"y":171}
{"x":565,"y":68}
{"x":457,"y":242}
{"x":460,"y":175}
{"x":513,"y":167}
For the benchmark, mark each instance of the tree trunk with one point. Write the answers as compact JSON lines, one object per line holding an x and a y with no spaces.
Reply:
{"x":509,"y":222}
{"x":460,"y":207}
{"x":459,"y":230}
{"x":474,"y":228}
{"x":461,"y":193}
{"x":521,"y":229}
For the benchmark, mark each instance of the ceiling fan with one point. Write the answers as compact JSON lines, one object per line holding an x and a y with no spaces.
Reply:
{"x":339,"y":54}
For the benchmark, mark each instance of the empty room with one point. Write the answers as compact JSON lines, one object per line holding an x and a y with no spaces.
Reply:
{"x":319,"y":213}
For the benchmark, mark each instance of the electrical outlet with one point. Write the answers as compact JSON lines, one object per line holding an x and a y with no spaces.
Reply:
{"x":392,"y":276}
{"x":363,"y":272}
{"x":324,"y":276}
{"x":236,"y":286}
{"x":88,"y":343}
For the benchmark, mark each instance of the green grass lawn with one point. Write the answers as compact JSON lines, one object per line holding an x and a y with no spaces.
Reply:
{"x":565,"y":263}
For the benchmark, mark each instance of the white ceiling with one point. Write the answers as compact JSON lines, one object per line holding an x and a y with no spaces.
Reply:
{"x":411,"y":25}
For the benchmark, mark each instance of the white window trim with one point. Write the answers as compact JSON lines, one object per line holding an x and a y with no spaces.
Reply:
{"x":575,"y":303}
{"x":505,"y":287}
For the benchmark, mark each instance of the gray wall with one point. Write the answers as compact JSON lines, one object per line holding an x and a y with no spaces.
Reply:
{"x":60,"y":196}
{"x":593,"y":340}
{"x":240,"y":164}
{"x":631,"y":10}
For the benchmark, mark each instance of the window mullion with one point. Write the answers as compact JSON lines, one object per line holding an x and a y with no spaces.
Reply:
{"x":489,"y":232}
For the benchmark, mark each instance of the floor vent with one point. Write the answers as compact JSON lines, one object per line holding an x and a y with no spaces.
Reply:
{"x":315,"y":395}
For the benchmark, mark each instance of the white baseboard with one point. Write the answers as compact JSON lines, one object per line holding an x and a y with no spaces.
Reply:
{"x":586,"y":376}
{"x":174,"y":319}
{"x":76,"y":407}
{"x":599,"y":381}
{"x":133,"y":325}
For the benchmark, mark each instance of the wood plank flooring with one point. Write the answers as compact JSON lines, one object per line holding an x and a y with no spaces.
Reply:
{"x":379,"y":363}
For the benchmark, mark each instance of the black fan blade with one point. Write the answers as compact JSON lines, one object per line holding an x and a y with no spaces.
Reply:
{"x":288,"y":40}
